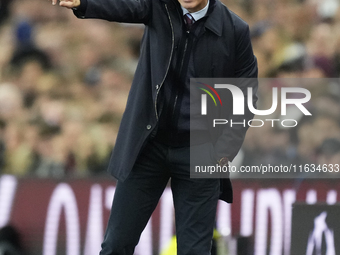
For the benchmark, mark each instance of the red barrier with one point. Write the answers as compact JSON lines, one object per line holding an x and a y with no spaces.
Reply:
{"x":69,"y":217}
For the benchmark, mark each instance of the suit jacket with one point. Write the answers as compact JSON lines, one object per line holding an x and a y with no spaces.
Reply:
{"x":223,"y":50}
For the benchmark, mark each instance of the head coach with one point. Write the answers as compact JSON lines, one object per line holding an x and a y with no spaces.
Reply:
{"x":182,"y":39}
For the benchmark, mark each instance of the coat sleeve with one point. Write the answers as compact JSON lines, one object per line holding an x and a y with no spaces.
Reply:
{"x":128,"y":11}
{"x":231,"y":139}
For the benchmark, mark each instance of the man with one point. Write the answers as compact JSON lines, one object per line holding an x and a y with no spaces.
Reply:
{"x":153,"y":144}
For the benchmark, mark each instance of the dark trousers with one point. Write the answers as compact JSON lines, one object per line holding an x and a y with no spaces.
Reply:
{"x":195,"y":202}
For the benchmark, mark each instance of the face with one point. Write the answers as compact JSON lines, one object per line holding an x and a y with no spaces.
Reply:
{"x":193,"y":5}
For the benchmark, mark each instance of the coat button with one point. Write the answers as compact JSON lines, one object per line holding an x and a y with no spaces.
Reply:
{"x":157,"y":86}
{"x":148,"y":127}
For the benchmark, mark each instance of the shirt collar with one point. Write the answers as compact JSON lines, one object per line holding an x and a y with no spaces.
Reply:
{"x":199,"y":14}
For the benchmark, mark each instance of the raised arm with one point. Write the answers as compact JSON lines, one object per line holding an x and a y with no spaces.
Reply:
{"x":129,"y":11}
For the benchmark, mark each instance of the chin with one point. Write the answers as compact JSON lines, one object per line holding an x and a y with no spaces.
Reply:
{"x":189,"y":7}
{"x":187,"y":4}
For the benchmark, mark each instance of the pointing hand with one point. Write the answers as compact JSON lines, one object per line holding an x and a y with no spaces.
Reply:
{"x":67,"y":3}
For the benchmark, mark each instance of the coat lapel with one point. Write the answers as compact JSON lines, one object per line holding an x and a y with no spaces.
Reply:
{"x":213,"y":22}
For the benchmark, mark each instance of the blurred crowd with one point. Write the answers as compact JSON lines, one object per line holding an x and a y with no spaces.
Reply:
{"x":64,"y":84}
{"x":297,"y":44}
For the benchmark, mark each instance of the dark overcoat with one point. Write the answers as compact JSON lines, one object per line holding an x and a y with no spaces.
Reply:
{"x":223,"y":50}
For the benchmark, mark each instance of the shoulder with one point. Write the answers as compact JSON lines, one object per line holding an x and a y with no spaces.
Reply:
{"x":237,"y":22}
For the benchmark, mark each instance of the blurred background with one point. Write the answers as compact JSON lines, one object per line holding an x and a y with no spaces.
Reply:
{"x":64,"y":83}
